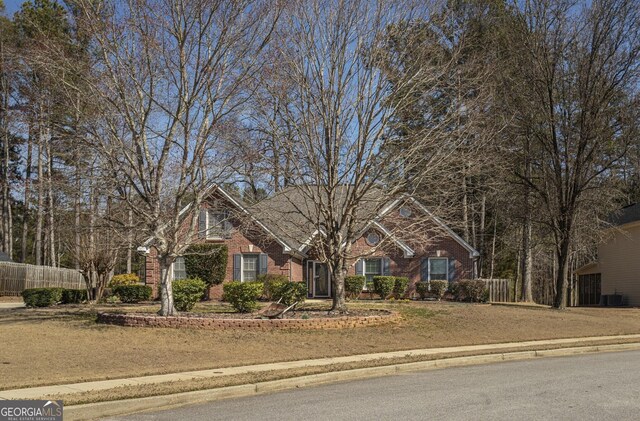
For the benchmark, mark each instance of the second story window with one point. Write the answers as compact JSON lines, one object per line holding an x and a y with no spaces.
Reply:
{"x":214,"y":224}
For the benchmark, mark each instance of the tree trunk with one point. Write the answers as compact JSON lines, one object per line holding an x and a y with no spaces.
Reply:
{"x":129,"y":241}
{"x":465,"y":210}
{"x":40,"y":208}
{"x":50,"y":212}
{"x":527,"y":258}
{"x":167,"y":307}
{"x":339,"y":305}
{"x":27,"y":193}
{"x":562,"y":275}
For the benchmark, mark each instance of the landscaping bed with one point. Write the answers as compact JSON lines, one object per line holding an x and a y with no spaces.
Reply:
{"x":303,"y":314}
{"x":305,"y":319}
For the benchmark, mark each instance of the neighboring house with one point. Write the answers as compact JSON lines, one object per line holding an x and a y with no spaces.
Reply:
{"x":617,"y":269}
{"x":277,"y":240}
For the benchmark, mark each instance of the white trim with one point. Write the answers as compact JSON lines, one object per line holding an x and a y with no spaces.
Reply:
{"x":472,"y":252}
{"x":408,"y":251}
{"x":242,"y":255}
{"x":364,"y":269}
{"x":287,"y":249}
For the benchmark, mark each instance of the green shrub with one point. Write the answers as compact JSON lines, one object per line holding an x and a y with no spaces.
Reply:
{"x":124,"y":279}
{"x":242,"y":296}
{"x":132,"y":293}
{"x":268,"y":279}
{"x":73,"y":296}
{"x":353,"y":286}
{"x":400,"y":286}
{"x":439,"y":288}
{"x":207,"y":262}
{"x":187,"y":292}
{"x":383,"y":285}
{"x":469,"y":290}
{"x":42,"y":297}
{"x":422,"y":288}
{"x":288,"y":292}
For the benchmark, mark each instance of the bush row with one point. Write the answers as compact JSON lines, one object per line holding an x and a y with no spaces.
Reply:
{"x":435,"y":287}
{"x":46,"y":297}
{"x":470,"y":290}
{"x":243,"y":296}
{"x":395,"y":286}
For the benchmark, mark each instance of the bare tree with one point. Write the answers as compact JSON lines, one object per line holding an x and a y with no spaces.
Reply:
{"x":341,"y":112}
{"x":575,"y":105}
{"x":172,"y":74}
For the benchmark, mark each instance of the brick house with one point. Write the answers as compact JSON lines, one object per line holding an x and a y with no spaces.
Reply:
{"x":405,"y":239}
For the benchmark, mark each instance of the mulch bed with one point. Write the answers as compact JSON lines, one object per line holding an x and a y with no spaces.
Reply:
{"x":298,"y":314}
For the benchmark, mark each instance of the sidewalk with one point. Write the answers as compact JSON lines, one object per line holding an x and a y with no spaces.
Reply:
{"x":433,"y":353}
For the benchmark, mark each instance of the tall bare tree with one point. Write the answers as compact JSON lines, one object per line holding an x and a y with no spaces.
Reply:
{"x":172,"y":75}
{"x":337,"y":59}
{"x":575,"y":105}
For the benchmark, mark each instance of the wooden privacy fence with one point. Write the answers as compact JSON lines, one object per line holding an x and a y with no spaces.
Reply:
{"x":499,"y":290}
{"x":16,"y":277}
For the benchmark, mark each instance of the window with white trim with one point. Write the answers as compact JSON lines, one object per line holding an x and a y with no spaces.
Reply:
{"x":179,"y":268}
{"x":249,"y":267}
{"x":438,"y":269}
{"x":372,"y":267}
{"x":217,"y":223}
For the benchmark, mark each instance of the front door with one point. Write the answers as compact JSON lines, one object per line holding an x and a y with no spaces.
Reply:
{"x":318,"y":279}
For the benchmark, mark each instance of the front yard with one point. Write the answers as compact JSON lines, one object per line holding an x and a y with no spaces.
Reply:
{"x":64,"y":344}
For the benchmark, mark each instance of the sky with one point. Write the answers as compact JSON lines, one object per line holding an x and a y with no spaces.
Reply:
{"x":12,"y":6}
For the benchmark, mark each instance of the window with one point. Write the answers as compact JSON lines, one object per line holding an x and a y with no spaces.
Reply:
{"x":373,"y":238}
{"x":438,"y":268}
{"x":217,"y":224}
{"x":249,"y":267}
{"x":179,"y":269}
{"x":405,"y":212}
{"x":372,"y":267}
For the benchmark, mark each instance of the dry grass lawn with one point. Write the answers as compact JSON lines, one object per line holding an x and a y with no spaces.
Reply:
{"x":63,"y":345}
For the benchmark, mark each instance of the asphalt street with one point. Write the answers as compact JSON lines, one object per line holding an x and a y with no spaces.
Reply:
{"x":588,"y":387}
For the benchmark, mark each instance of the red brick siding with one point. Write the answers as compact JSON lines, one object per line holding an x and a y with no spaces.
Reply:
{"x":252,"y":240}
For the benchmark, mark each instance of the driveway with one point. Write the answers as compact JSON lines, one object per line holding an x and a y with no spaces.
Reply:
{"x":590,"y":387}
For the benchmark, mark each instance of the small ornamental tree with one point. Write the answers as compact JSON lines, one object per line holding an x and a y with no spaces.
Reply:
{"x":207,"y":262}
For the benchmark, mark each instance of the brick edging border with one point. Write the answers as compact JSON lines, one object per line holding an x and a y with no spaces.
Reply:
{"x":252,"y":324}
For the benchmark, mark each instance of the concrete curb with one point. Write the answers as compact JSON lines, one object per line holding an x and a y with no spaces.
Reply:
{"x":128,"y":406}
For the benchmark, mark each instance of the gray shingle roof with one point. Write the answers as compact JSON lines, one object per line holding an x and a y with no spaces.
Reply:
{"x":293,"y":212}
{"x":626,"y":215}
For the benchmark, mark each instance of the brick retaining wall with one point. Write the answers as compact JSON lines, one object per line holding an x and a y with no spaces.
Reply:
{"x":252,"y":324}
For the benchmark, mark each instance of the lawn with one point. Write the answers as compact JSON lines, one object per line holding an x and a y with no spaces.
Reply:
{"x":62,"y":345}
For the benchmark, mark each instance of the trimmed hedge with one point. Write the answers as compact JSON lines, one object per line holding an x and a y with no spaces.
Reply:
{"x":353,"y":286}
{"x":422,"y":288}
{"x":243,"y":296}
{"x":207,"y":262}
{"x":288,"y":292}
{"x":268,"y":280}
{"x":124,"y":279}
{"x":439,"y":288}
{"x":383,"y":285}
{"x":132,"y":293}
{"x":187,"y":292}
{"x":470,"y":290}
{"x":42,"y":297}
{"x":400,"y":286}
{"x":73,"y":296}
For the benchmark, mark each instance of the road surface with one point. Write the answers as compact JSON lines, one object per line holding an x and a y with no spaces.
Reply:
{"x":589,"y":387}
